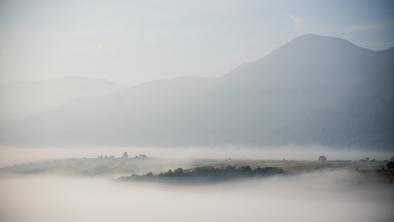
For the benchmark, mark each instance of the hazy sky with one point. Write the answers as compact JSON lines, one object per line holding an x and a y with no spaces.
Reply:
{"x":135,"y":41}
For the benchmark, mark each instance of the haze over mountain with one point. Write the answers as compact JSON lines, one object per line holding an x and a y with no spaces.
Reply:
{"x":312,"y":90}
{"x":20,"y":99}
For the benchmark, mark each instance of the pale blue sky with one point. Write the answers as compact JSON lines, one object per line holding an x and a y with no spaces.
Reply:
{"x":136,"y":41}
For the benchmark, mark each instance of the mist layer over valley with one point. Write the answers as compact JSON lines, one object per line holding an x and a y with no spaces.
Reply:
{"x":320,"y":191}
{"x":322,"y":196}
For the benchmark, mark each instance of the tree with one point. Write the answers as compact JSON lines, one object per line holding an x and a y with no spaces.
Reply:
{"x":178,"y":172}
{"x":141,"y":156}
{"x":125,"y":155}
{"x":322,"y":158}
{"x":390,"y":165}
{"x":245,"y":169}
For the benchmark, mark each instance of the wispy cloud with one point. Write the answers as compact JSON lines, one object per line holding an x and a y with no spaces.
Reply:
{"x":297,"y":22}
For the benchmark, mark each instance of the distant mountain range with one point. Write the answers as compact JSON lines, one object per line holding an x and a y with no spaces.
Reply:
{"x":313,"y":90}
{"x":21,"y":99}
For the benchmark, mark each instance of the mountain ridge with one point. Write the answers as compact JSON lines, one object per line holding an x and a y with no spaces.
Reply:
{"x":23,"y":98}
{"x":278,"y":101}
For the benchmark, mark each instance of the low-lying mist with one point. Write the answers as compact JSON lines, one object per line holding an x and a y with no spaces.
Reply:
{"x":320,"y":196}
{"x":14,"y":155}
{"x":329,"y":195}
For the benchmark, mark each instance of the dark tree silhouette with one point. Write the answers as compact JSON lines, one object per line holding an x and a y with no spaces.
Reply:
{"x":322,"y":158}
{"x":125,"y":155}
{"x":390,"y":165}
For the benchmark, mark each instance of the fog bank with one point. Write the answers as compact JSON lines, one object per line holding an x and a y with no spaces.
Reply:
{"x":322,"y":196}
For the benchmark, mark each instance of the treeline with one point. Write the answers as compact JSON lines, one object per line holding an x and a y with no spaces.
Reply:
{"x":210,"y":172}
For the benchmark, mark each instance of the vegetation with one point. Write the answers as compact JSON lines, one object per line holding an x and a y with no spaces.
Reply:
{"x":390,"y":165}
{"x":102,"y":165}
{"x":198,"y":169}
{"x":211,"y":173}
{"x":322,"y":158}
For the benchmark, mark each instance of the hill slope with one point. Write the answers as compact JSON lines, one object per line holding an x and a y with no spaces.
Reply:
{"x":314,"y":89}
{"x":21,"y":99}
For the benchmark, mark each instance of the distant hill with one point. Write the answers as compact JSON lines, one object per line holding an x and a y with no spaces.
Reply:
{"x":20,"y":99}
{"x":312,"y":90}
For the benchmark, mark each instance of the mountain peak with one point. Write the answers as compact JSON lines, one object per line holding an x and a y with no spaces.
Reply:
{"x":321,"y":39}
{"x":319,"y":43}
{"x":309,"y":53}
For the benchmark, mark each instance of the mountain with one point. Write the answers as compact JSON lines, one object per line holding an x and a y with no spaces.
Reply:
{"x":21,"y":99}
{"x":312,"y":90}
{"x":361,"y":116}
